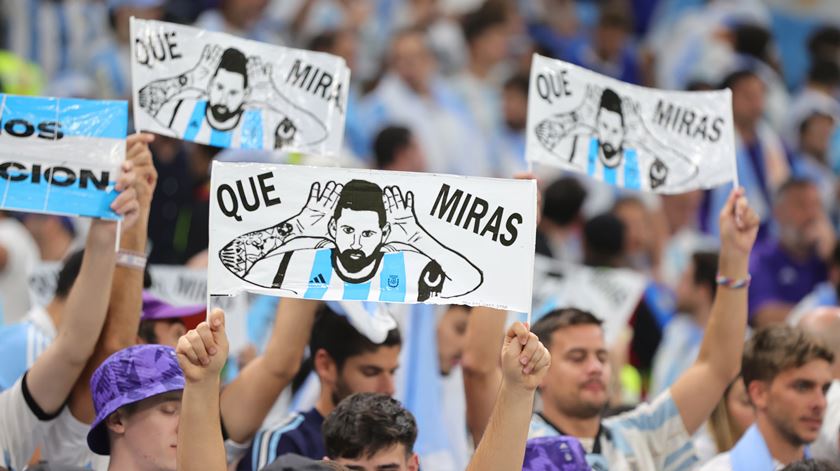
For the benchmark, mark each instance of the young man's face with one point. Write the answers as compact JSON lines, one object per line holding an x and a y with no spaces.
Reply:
{"x":451,"y":336}
{"x":371,"y":372}
{"x":794,"y":401}
{"x":576,"y":383}
{"x":391,"y":459}
{"x":150,"y":434}
{"x":358,"y":238}
{"x":226,"y":95}
{"x":610,"y":132}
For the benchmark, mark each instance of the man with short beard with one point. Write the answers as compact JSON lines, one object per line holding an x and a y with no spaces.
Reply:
{"x":787,"y":373}
{"x":346,"y":363}
{"x":656,"y":435}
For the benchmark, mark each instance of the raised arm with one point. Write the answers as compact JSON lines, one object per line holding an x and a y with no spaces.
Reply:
{"x":525,"y":362}
{"x":202,"y":353}
{"x":700,"y":388}
{"x":125,"y":304}
{"x":51,"y":378}
{"x":248,"y":399}
{"x":480,"y":363}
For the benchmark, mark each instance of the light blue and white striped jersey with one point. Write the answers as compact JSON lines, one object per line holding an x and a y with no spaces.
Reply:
{"x":22,"y":343}
{"x":630,"y":178}
{"x":189,"y":121}
{"x":396,"y":278}
{"x":54,"y":35}
{"x":650,"y":437}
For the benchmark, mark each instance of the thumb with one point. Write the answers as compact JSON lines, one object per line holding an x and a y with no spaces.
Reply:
{"x":217,"y":321}
{"x":518,"y":331}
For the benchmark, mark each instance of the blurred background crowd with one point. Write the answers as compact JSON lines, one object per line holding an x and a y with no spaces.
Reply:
{"x":442,"y":86}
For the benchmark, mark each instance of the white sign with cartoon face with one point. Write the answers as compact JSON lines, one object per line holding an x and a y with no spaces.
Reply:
{"x":344,"y":234}
{"x":625,"y":135}
{"x":226,"y":91}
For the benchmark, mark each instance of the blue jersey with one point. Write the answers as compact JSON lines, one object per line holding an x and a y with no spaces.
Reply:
{"x":189,"y":120}
{"x":398,"y":277}
{"x":299,"y":434}
{"x":22,"y":343}
{"x":630,"y":178}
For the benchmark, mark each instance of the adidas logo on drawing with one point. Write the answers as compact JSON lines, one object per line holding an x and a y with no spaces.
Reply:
{"x":318,"y":280}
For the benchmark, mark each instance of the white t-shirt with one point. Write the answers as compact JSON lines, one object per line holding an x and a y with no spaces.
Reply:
{"x":723,"y":463}
{"x":23,"y":255}
{"x":21,"y":428}
{"x":65,"y":442}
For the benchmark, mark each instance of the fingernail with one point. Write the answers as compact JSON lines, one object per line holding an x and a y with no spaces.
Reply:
{"x":523,"y":360}
{"x":526,"y":370}
{"x":212,"y":350}
{"x":205,"y":362}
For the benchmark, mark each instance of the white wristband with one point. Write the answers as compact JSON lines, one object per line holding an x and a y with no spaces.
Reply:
{"x":130,"y":259}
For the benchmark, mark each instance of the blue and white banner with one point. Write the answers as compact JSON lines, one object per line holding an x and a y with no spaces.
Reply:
{"x":61,"y":155}
{"x":363,"y":235}
{"x":625,"y":135}
{"x":218,"y":89}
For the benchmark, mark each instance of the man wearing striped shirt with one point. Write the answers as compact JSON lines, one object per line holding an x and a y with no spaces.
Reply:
{"x":375,"y":250}
{"x":654,"y":436}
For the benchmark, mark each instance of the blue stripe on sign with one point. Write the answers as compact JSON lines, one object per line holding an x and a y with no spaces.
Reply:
{"x":252,"y":130}
{"x":321,"y":270}
{"x":220,"y":138}
{"x":93,"y":118}
{"x":196,"y":120}
{"x":632,"y":179}
{"x":392,"y":278}
{"x":610,"y":175}
{"x":593,"y":157}
{"x":275,"y":438}
{"x":356,"y":291}
{"x":71,"y":200}
{"x":84,"y":118}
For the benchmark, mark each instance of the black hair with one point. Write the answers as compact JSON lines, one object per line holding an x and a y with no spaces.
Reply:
{"x":234,"y":60}
{"x":560,"y":319}
{"x":824,"y":43}
{"x":812,"y":465}
{"x":705,"y":270}
{"x":388,"y":143}
{"x":334,"y":334}
{"x":753,"y":40}
{"x":735,"y":77}
{"x":366,"y":423}
{"x":793,"y":183}
{"x":323,"y":42}
{"x":562,"y":201}
{"x":825,"y":72}
{"x":361,"y":195}
{"x":146,"y":330}
{"x":68,"y":274}
{"x":518,"y":82}
{"x":603,"y":238}
{"x":487,"y":16}
{"x":610,"y":101}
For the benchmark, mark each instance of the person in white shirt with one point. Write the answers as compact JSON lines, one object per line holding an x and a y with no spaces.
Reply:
{"x":787,"y":373}
{"x":824,"y":323}
{"x":39,"y":396}
{"x":653,"y":436}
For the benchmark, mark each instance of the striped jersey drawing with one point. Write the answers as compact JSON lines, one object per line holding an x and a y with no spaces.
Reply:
{"x":189,"y":120}
{"x":403,"y":276}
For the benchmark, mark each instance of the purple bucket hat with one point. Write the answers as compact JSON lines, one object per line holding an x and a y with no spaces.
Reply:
{"x":128,"y":376}
{"x":560,"y":453}
{"x":154,"y":309}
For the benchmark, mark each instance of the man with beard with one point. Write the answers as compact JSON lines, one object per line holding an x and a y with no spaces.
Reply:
{"x":346,"y":363}
{"x":226,"y":101}
{"x":653,"y":436}
{"x":787,"y":374}
{"x":375,"y":250}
